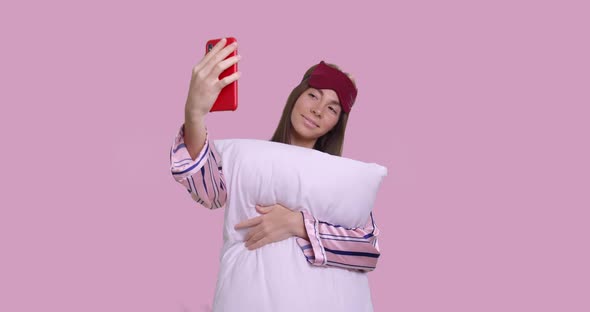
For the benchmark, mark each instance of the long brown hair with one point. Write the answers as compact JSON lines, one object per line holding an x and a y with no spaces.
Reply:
{"x":331,"y":142}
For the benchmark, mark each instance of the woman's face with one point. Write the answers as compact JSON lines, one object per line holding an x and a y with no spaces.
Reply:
{"x":315,"y":112}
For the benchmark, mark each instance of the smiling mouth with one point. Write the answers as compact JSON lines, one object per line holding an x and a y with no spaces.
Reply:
{"x":311,"y":121}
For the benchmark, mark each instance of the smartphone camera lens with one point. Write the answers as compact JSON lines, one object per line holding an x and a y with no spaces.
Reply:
{"x":209,"y":47}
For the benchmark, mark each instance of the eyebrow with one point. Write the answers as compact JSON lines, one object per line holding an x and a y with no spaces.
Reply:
{"x":333,"y":101}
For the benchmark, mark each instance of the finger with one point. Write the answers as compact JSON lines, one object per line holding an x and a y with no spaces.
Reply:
{"x":254,"y":233}
{"x":218,"y":46}
{"x":248,"y":223}
{"x":259,"y":244}
{"x":261,"y":209}
{"x":218,"y":57}
{"x":229,"y":79}
{"x":223,"y":65}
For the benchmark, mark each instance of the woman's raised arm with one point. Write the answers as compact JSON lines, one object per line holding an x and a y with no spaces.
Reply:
{"x":194,"y":162}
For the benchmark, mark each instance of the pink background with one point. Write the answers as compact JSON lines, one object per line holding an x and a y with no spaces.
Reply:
{"x":479,"y":111}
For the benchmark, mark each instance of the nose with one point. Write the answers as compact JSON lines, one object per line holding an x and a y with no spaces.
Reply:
{"x":316,"y":111}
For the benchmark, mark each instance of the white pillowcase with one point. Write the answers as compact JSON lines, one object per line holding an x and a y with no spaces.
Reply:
{"x":277,"y":277}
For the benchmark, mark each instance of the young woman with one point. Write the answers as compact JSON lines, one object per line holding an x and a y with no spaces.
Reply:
{"x":314,"y":116}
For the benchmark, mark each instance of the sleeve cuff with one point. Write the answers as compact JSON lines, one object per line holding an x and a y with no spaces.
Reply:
{"x":313,"y":249}
{"x":181,"y":163}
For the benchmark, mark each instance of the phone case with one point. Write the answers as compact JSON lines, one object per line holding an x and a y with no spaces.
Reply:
{"x":228,"y":97}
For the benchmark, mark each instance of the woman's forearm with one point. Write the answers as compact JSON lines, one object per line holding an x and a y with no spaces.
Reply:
{"x":195,"y":133}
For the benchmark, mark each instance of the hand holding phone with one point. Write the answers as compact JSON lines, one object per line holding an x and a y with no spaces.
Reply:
{"x":228,"y":97}
{"x":210,"y":77}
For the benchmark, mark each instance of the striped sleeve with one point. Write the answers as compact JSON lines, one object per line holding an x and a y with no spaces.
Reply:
{"x":203,"y":176}
{"x":337,"y":246}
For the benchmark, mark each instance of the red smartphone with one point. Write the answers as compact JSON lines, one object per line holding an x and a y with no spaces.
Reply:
{"x":228,"y":97}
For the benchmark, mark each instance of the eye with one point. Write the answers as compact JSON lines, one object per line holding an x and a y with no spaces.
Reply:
{"x":333,"y":109}
{"x":312,"y":95}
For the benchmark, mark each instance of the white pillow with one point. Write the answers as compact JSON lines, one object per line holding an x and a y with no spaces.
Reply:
{"x":277,"y":277}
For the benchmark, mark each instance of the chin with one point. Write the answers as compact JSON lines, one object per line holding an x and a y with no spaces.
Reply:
{"x":305,"y":133}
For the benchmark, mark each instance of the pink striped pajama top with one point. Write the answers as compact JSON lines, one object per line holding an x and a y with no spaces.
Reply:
{"x":328,"y":245}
